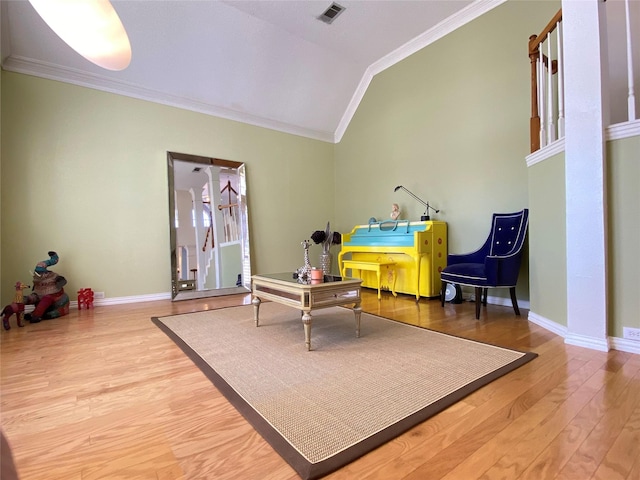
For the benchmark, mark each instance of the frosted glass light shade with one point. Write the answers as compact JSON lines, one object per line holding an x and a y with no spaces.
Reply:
{"x":91,"y":27}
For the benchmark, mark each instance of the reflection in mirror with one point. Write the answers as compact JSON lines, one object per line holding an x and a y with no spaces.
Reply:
{"x":209,"y":228}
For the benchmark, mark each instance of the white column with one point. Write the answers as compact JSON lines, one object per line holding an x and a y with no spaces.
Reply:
{"x":586,"y":109}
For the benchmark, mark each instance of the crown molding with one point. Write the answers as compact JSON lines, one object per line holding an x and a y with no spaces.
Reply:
{"x":50,"y":71}
{"x":450,"y":24}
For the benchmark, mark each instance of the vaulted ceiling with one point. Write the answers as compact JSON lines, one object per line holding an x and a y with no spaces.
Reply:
{"x":262,"y":62}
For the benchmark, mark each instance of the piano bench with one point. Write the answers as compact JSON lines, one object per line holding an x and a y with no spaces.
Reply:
{"x":371,"y":267}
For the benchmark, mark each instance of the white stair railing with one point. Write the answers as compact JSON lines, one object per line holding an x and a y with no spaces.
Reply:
{"x":547,"y":91}
{"x":547,"y":73}
{"x":231,"y":222}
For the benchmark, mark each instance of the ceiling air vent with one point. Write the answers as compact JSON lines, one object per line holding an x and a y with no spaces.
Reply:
{"x":331,"y":13}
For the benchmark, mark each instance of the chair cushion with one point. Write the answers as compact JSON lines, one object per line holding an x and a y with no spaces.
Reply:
{"x":465,"y":273}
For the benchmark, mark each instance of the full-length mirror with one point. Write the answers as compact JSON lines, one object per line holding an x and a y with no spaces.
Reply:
{"x":209,"y":228}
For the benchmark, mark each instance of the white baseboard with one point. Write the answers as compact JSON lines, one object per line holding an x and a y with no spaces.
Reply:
{"x":548,"y":324}
{"x":502,"y":301}
{"x":122,"y":300}
{"x":625,"y":345}
{"x":115,"y":300}
{"x":506,"y":302}
{"x":603,"y":345}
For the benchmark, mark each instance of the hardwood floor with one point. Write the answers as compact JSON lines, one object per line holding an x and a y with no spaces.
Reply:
{"x":104,"y":394}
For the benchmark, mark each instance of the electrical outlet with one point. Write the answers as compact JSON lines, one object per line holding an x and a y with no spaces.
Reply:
{"x":631,"y":333}
{"x":98,"y":295}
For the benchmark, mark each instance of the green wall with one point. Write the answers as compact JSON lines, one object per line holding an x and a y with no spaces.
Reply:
{"x":623,"y":196}
{"x":548,"y":239}
{"x":450,"y":123}
{"x":84,"y":172}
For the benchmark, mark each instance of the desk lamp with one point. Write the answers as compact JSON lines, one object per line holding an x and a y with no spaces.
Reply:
{"x":425,"y":217}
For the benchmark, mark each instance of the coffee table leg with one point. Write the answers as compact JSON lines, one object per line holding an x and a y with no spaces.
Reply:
{"x":357,"y":310}
{"x":256,"y":308}
{"x":306,"y":320}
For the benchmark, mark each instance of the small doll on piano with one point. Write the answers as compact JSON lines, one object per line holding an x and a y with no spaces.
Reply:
{"x":395,"y":211}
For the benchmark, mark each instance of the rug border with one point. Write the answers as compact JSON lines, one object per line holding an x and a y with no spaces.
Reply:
{"x":308,"y":470}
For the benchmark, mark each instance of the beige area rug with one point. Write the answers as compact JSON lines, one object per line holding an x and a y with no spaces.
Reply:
{"x":324,"y":408}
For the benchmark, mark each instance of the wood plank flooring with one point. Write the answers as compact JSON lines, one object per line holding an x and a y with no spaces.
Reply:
{"x":104,"y":394}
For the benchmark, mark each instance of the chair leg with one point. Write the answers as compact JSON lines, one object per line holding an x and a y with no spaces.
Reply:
{"x":514,"y":300}
{"x":484,"y":296}
{"x":443,"y":289}
{"x":478,"y":301}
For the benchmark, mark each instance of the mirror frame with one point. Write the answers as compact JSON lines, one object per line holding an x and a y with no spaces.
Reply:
{"x":244,"y":230}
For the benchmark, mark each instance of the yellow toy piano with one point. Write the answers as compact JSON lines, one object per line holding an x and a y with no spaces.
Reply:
{"x":398,"y":256}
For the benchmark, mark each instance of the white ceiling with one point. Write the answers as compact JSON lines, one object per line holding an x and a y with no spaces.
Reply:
{"x":263,"y":62}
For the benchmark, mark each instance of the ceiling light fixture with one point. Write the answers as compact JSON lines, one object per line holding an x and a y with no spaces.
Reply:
{"x":91,"y":27}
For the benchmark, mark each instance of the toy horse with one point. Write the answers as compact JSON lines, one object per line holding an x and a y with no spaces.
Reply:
{"x":17,"y":307}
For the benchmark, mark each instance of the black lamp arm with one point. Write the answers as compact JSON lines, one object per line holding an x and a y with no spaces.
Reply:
{"x":426,"y":204}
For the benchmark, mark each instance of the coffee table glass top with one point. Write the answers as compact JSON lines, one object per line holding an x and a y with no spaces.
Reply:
{"x":288,"y":277}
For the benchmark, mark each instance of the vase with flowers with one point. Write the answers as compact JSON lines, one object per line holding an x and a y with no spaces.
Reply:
{"x":326,"y":238}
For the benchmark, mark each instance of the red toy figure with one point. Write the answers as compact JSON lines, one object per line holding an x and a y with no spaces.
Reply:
{"x":85,"y":297}
{"x":16,"y":307}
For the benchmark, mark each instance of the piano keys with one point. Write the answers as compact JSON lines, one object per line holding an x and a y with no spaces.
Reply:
{"x":415,"y":251}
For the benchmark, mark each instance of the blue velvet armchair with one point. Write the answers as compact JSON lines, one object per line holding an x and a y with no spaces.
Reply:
{"x":494,"y":265}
